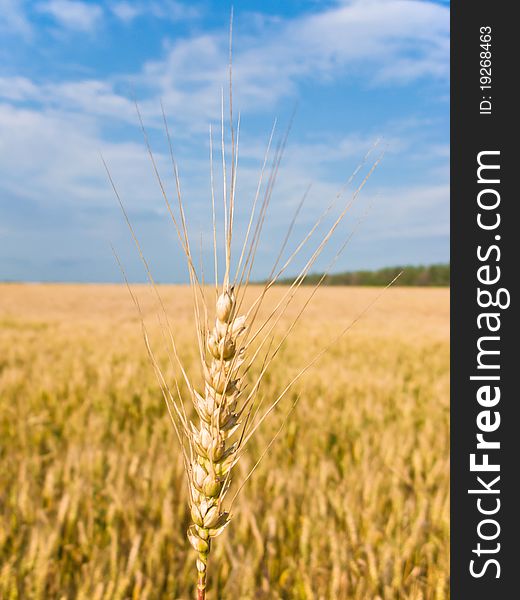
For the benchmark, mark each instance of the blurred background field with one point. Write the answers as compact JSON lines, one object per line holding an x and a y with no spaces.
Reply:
{"x":351,"y":502}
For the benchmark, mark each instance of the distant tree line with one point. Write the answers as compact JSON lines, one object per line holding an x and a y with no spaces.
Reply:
{"x":412,"y":275}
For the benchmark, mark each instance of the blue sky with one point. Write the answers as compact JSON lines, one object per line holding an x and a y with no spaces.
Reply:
{"x":356,"y":71}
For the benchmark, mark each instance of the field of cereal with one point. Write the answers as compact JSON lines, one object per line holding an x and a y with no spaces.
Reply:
{"x":351,"y":502}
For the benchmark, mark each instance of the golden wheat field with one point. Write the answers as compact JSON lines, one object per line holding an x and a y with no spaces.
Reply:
{"x":351,"y":501}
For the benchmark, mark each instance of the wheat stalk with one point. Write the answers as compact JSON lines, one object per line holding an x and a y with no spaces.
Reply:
{"x":227,"y":416}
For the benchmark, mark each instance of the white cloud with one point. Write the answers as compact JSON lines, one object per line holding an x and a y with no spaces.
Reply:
{"x":384,"y":41}
{"x":17,"y":88}
{"x":53,"y":158}
{"x":408,"y":212}
{"x":88,"y":97}
{"x":72,"y":14}
{"x":127,"y":11}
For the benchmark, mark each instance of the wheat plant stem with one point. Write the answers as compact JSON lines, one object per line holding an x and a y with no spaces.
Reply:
{"x":201,"y":586}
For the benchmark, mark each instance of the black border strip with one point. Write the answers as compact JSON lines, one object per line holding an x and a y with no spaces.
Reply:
{"x":472,"y":132}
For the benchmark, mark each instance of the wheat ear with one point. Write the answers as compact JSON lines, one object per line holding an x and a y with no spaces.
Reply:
{"x":214,"y":452}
